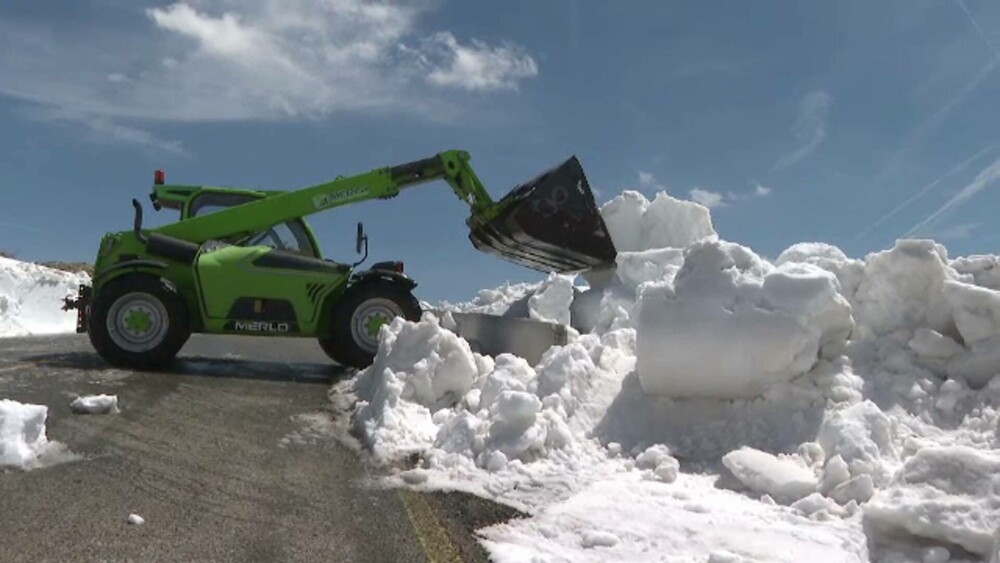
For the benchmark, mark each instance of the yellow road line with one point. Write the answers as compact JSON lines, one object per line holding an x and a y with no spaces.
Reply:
{"x":16,"y":367}
{"x":433,"y":537}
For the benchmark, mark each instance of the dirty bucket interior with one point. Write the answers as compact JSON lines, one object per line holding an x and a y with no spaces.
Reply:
{"x":550,"y":223}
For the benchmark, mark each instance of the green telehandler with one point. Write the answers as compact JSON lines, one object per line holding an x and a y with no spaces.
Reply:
{"x":246,"y":262}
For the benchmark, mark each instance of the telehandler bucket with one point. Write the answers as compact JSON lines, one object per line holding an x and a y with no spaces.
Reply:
{"x":550,"y":223}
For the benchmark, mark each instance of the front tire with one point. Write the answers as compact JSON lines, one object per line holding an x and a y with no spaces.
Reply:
{"x":138,"y":322}
{"x":358,"y":317}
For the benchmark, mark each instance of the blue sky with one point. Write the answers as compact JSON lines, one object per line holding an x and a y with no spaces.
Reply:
{"x":853,"y":123}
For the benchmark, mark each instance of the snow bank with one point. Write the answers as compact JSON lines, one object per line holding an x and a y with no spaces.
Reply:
{"x":31,"y":298}
{"x":22,"y":434}
{"x":732,"y":324}
{"x":714,"y":405}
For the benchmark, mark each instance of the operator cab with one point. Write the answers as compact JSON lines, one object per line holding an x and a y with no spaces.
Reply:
{"x":194,"y":201}
{"x":292,"y":236}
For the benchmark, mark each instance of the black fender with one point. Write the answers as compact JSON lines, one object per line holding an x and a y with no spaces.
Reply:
{"x":368,"y":276}
{"x":141,"y":265}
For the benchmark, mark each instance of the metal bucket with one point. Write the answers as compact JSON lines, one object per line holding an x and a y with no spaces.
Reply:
{"x":550,"y":223}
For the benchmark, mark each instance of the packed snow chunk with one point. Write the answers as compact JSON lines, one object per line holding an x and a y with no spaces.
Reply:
{"x":636,"y":224}
{"x":785,"y":479}
{"x":811,"y":293}
{"x":932,"y":344}
{"x":515,"y":430}
{"x":667,"y":470}
{"x":135,"y":520}
{"x":551,"y":303}
{"x":732,"y":324}
{"x":949,"y":494}
{"x":936,"y":554}
{"x":595,"y":538}
{"x":623,"y":218}
{"x":984,"y":269}
{"x":22,"y":433}
{"x":652,"y":457}
{"x":496,"y":301}
{"x":31,"y":298}
{"x":903,"y":288}
{"x":675,"y":223}
{"x":830,"y":258}
{"x":460,"y":435}
{"x":510,"y":373}
{"x":859,"y":489}
{"x":861,"y":435}
{"x":815,"y":504}
{"x":976,"y":310}
{"x":566,"y":371}
{"x":658,"y":265}
{"x":95,"y":404}
{"x":978,"y":365}
{"x":835,"y":473}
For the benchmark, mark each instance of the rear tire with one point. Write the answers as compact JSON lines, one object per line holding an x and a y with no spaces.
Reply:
{"x":138,"y":322}
{"x":358,"y":317}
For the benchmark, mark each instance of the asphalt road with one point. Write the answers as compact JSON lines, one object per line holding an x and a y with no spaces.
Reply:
{"x":229,"y":456}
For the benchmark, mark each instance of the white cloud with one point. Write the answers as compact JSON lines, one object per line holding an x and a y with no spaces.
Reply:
{"x":257,"y":60}
{"x":707,"y":198}
{"x":477,"y":66}
{"x":810,"y":127}
{"x":761,"y":190}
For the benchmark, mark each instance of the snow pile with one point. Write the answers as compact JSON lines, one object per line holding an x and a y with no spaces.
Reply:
{"x":22,"y":434}
{"x":714,"y":405}
{"x":428,"y":393}
{"x":31,"y":298}
{"x":419,"y":369}
{"x":95,"y":404}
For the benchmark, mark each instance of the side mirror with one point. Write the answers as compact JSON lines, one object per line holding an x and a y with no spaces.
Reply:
{"x":361,"y":239}
{"x":361,"y":243}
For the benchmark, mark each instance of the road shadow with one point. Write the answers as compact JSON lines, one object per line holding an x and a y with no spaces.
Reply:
{"x":218,"y":368}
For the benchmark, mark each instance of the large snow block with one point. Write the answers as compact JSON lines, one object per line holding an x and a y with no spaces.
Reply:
{"x":22,"y":433}
{"x":637,"y":224}
{"x":733,"y":324}
{"x":946,"y":494}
